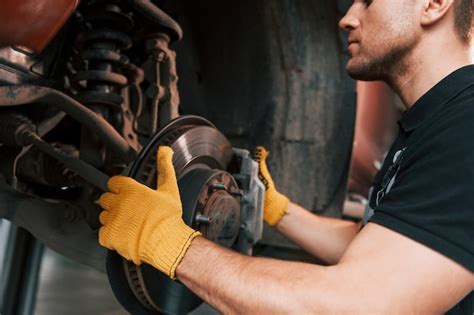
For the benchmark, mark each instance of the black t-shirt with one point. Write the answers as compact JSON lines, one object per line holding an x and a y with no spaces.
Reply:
{"x":425,"y":189}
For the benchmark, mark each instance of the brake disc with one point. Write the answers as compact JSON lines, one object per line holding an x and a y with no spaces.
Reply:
{"x":211,"y":204}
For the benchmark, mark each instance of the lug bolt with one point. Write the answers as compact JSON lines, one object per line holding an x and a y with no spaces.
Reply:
{"x":236,"y":192}
{"x":202,"y":219}
{"x":219,"y":186}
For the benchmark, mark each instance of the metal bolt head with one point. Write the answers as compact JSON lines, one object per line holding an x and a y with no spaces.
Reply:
{"x":219,"y":186}
{"x":202,"y":219}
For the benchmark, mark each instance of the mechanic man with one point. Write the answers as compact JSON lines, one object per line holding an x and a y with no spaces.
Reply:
{"x":415,"y":254}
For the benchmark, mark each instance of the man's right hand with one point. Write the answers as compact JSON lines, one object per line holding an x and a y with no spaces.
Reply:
{"x":144,"y":224}
{"x":276,"y":204}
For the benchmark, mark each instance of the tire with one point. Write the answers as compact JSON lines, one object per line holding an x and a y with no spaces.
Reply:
{"x":272,"y":73}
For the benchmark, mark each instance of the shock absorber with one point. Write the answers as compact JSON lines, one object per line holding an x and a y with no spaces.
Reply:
{"x":99,"y":79}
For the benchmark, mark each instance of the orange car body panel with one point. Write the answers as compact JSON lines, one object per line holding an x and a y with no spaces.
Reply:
{"x":378,"y":109}
{"x":33,"y":23}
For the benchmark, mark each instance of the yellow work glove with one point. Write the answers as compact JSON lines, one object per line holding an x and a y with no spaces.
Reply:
{"x":146,"y":225}
{"x":276,"y":204}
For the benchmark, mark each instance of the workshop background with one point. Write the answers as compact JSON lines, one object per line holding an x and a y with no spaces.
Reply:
{"x":266,"y":73}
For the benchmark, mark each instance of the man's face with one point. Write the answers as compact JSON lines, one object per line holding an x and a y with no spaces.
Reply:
{"x":382,"y":33}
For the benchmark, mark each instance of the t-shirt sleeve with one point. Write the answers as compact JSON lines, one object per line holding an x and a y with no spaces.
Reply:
{"x":432,"y":199}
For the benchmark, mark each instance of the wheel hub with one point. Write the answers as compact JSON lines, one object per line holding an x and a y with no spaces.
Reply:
{"x":211,"y":204}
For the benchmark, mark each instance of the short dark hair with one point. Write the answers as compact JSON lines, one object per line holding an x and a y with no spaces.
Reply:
{"x":463,"y":19}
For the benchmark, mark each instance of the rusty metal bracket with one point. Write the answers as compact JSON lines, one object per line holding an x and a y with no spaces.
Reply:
{"x":26,"y":94}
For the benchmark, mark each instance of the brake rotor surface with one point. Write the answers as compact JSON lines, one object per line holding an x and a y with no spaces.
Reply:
{"x":211,"y":204}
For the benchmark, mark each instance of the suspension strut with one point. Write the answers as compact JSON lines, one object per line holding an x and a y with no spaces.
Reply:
{"x":99,"y":79}
{"x":107,"y":35}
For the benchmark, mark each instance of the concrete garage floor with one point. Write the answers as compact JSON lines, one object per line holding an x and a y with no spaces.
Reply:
{"x":66,"y":287}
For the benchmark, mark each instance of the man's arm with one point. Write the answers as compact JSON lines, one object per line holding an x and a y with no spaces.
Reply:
{"x":381,"y":272}
{"x":324,"y":237}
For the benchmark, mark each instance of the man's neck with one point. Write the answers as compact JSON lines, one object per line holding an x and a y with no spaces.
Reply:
{"x":428,"y":65}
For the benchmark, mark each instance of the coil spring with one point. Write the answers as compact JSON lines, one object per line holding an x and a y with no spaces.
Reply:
{"x":99,"y":79}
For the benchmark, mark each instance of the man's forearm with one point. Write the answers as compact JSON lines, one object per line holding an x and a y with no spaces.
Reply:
{"x":323,"y":237}
{"x":371,"y":278}
{"x":234,"y":283}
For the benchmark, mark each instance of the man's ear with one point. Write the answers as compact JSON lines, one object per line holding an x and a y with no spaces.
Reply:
{"x":434,"y":10}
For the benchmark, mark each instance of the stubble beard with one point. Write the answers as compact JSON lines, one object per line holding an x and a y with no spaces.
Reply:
{"x":376,"y":65}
